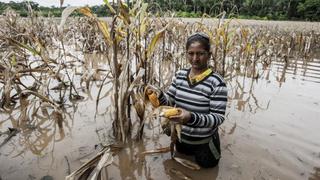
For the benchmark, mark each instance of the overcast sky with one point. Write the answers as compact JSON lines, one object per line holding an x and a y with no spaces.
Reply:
{"x":65,"y":3}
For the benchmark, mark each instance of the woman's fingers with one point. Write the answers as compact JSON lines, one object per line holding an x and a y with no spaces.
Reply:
{"x":176,"y":118}
{"x":181,"y":118}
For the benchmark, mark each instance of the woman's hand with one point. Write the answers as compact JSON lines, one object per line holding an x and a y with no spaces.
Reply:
{"x":181,"y":118}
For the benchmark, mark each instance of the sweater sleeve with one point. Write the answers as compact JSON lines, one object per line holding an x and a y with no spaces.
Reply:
{"x":168,"y":98}
{"x":215,"y":117}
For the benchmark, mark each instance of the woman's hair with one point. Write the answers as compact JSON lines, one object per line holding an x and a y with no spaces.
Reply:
{"x":200,"y":37}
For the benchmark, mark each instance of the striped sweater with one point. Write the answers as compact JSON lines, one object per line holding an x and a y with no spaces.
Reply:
{"x":206,"y":100}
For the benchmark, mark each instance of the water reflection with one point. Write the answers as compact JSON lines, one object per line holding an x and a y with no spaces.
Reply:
{"x":45,"y":111}
{"x":304,"y":69}
{"x":243,"y":88}
{"x":37,"y":130}
{"x":243,"y":93}
{"x":169,"y":165}
{"x":129,"y":164}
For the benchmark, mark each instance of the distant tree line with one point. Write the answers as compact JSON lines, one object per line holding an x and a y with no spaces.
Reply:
{"x":22,"y":9}
{"x":260,"y":9}
{"x":251,"y":9}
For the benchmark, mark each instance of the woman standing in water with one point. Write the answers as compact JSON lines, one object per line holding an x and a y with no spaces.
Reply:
{"x":201,"y":95}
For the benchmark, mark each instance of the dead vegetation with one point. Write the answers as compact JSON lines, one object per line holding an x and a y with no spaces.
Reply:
{"x":43,"y":71}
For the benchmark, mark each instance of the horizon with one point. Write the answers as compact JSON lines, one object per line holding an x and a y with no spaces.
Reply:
{"x":56,"y":3}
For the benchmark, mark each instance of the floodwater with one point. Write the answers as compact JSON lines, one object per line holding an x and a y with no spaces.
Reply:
{"x":271,"y":132}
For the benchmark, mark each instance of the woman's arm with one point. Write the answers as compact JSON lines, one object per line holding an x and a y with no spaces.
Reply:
{"x":168,"y":98}
{"x":218,"y":104}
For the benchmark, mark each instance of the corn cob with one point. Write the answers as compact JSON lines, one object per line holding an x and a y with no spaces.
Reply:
{"x":153,"y":98}
{"x":170,"y":112}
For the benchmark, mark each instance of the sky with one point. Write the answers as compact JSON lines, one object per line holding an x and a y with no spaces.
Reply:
{"x":65,"y":3}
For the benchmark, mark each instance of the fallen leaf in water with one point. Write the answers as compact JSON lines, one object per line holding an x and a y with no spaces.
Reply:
{"x":160,"y":150}
{"x":179,"y":174}
{"x":187,"y":163}
{"x":104,"y":155}
{"x":85,"y":160}
{"x":105,"y":160}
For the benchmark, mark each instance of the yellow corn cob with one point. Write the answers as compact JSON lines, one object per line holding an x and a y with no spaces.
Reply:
{"x":153,"y":98}
{"x":170,"y":112}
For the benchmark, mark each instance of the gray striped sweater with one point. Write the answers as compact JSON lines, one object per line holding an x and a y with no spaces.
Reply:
{"x":206,"y":100}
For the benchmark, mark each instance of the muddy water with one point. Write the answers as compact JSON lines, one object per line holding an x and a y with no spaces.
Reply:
{"x":271,"y":132}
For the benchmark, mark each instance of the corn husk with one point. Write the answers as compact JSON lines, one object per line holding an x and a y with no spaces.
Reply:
{"x":153,"y":151}
{"x":179,"y":174}
{"x":187,"y":163}
{"x":104,"y":158}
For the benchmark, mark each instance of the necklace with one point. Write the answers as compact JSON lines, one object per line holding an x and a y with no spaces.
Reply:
{"x":199,"y":77}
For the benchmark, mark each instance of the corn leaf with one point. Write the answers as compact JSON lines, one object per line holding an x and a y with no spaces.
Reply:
{"x":143,"y":10}
{"x":105,"y":31}
{"x":13,"y":61}
{"x":179,"y":174}
{"x":89,"y":164}
{"x":143,"y":26}
{"x":24,"y":46}
{"x":65,"y":14}
{"x":105,"y":160}
{"x":124,"y":13}
{"x":208,"y":32}
{"x":154,"y":41}
{"x":86,"y":11}
{"x":101,"y":24}
{"x":109,"y":6}
{"x":187,"y":163}
{"x":248,"y":48}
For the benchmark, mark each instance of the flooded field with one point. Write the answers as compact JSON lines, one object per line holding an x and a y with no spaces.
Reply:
{"x":271,"y":130}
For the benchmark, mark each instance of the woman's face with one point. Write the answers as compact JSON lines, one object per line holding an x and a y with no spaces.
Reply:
{"x":197,"y":56}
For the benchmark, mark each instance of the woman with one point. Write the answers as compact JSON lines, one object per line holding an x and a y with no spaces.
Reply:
{"x":201,"y":95}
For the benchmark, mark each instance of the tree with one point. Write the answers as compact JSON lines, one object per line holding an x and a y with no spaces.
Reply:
{"x":310,"y":9}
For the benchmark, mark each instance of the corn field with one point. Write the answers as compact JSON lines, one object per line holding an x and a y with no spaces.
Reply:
{"x":45,"y":70}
